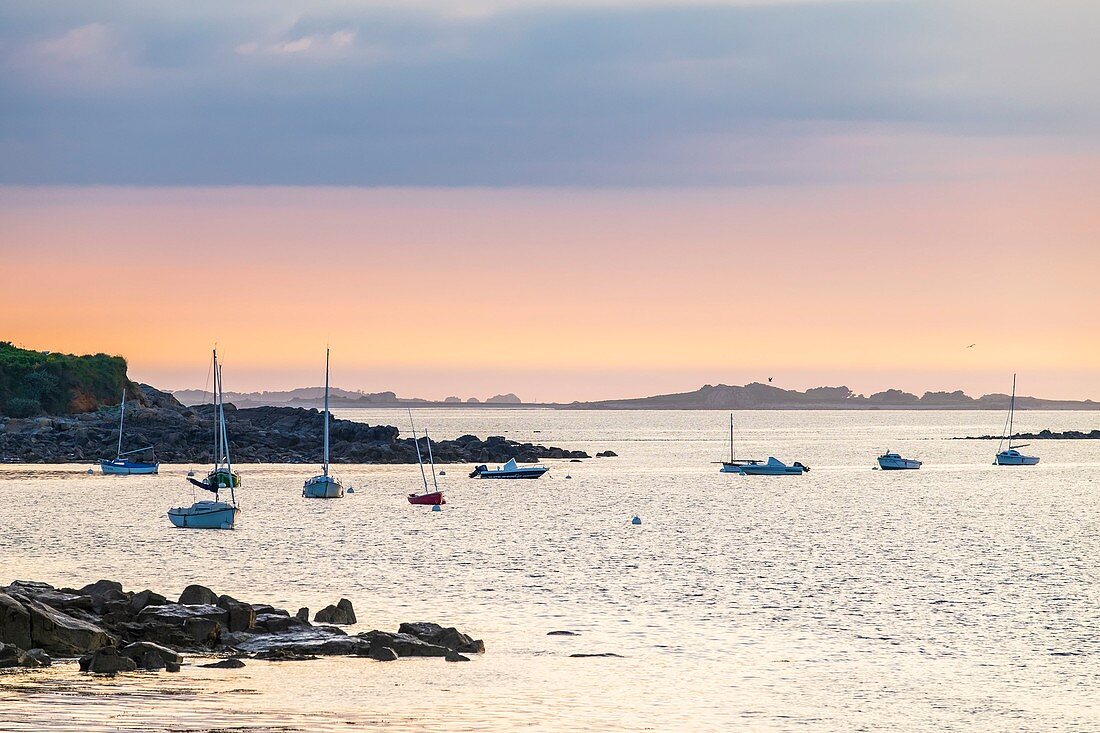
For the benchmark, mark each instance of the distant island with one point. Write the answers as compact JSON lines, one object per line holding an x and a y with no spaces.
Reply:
{"x":754,"y":396}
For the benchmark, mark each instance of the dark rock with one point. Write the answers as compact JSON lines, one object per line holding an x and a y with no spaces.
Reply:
{"x":607,"y":454}
{"x":203,"y":630}
{"x":342,"y":613}
{"x":107,"y":661}
{"x":303,"y":614}
{"x":13,"y":656}
{"x":283,"y":655}
{"x":562,"y":633}
{"x":382,"y":654}
{"x":146,"y":598}
{"x":60,"y":633}
{"x":319,"y":640}
{"x":406,"y":645}
{"x":171,"y":667}
{"x":198,"y":595}
{"x":275,"y":623}
{"x":601,"y":654}
{"x":15,"y":622}
{"x":453,"y":656}
{"x":477,"y":646}
{"x":40,"y":656}
{"x":231,"y":663}
{"x":174,"y":613}
{"x":265,"y":608}
{"x":102,"y":588}
{"x":241,"y":615}
{"x":149,"y":655}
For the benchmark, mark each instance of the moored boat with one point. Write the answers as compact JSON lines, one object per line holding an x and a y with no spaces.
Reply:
{"x":324,"y":486}
{"x":1010,"y":456}
{"x":894,"y":462}
{"x":123,"y":467}
{"x":509,"y":470}
{"x":216,"y":514}
{"x":753,"y":467}
{"x":428,"y":498}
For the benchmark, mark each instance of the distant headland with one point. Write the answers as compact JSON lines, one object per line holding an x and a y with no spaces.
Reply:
{"x":754,"y":396}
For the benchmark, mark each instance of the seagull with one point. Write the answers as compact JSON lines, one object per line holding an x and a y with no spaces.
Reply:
{"x":769,"y":380}
{"x":971,"y":346}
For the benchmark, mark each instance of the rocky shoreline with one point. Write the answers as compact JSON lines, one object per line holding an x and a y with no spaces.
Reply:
{"x":1041,"y":435}
{"x":109,"y":630}
{"x":182,"y":434}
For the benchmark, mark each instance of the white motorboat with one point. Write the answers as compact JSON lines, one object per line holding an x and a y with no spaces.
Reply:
{"x":894,"y":462}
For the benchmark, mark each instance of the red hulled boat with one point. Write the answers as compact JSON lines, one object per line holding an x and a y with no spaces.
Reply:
{"x":436,"y":497}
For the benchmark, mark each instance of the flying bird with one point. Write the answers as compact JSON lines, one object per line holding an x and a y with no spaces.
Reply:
{"x":971,"y":346}
{"x":769,"y":380}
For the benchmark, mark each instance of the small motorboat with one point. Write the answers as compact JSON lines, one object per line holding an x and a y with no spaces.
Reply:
{"x":120,"y":466}
{"x":1010,"y":456}
{"x":509,"y":470}
{"x":771,"y":467}
{"x":893,"y":462}
{"x":428,"y":498}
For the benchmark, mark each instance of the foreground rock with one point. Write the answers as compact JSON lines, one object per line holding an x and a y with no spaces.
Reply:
{"x":112,"y":630}
{"x":258,"y":435}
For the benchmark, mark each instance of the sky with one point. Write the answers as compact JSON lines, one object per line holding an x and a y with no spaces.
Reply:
{"x":565,"y":200}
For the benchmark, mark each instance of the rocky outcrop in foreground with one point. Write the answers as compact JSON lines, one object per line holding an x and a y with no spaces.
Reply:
{"x":1041,"y":435}
{"x":256,"y":435}
{"x":112,"y":630}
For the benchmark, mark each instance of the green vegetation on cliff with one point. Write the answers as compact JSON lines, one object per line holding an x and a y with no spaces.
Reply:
{"x":37,"y":383}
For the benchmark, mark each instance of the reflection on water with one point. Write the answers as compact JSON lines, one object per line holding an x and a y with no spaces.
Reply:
{"x":960,"y":596}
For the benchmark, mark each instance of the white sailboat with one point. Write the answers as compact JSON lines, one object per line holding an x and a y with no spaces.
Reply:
{"x":121,"y":466}
{"x":751,"y":467}
{"x":214,"y":514}
{"x":1011,"y":456}
{"x":324,"y":486}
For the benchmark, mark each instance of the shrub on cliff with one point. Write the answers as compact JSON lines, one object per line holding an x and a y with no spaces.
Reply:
{"x":36,"y":382}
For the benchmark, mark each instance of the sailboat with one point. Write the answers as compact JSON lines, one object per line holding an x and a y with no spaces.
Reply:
{"x":214,"y":514}
{"x":120,"y":466}
{"x":1011,"y":456}
{"x":751,"y":467}
{"x":324,"y":486}
{"x":428,"y":498}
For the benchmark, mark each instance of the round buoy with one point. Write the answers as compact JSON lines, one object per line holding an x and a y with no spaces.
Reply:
{"x":436,"y":508}
{"x":351,"y":489}
{"x":568,"y":476}
{"x":90,"y":471}
{"x":636,"y":520}
{"x":442,"y":473}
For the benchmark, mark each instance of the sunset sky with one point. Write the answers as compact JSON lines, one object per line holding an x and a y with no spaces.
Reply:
{"x":565,"y":200}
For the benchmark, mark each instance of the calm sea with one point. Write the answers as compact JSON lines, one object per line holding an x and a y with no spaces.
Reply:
{"x":958,"y":597}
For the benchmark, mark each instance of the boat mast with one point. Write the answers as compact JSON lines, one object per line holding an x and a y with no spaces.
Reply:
{"x":217,"y":435}
{"x":121,"y":417}
{"x":1011,"y":411}
{"x":416,"y":442}
{"x":225,"y":438}
{"x":731,"y":437}
{"x":435,"y":481}
{"x":326,"y":413}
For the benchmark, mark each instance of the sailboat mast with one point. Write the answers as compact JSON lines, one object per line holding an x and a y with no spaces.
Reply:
{"x":225,"y":437}
{"x":217,"y":431}
{"x":1011,"y":410}
{"x":326,"y":412}
{"x":416,"y":442}
{"x":731,"y":437}
{"x":121,"y":418}
{"x":435,"y":481}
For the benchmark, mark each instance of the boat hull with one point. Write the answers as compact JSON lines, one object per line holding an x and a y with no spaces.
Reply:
{"x":517,"y":474}
{"x":432,"y":499}
{"x":127,"y":468}
{"x":1014,"y":458}
{"x":205,"y":515}
{"x":772,"y":467}
{"x":898,"y":464}
{"x":323,"y":487}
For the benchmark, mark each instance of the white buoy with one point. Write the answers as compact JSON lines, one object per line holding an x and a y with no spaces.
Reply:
{"x":636,"y":520}
{"x":436,"y":508}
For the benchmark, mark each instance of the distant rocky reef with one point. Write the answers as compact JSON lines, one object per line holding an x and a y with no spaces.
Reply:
{"x":112,"y":630}
{"x":1041,"y":435}
{"x":182,"y":434}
